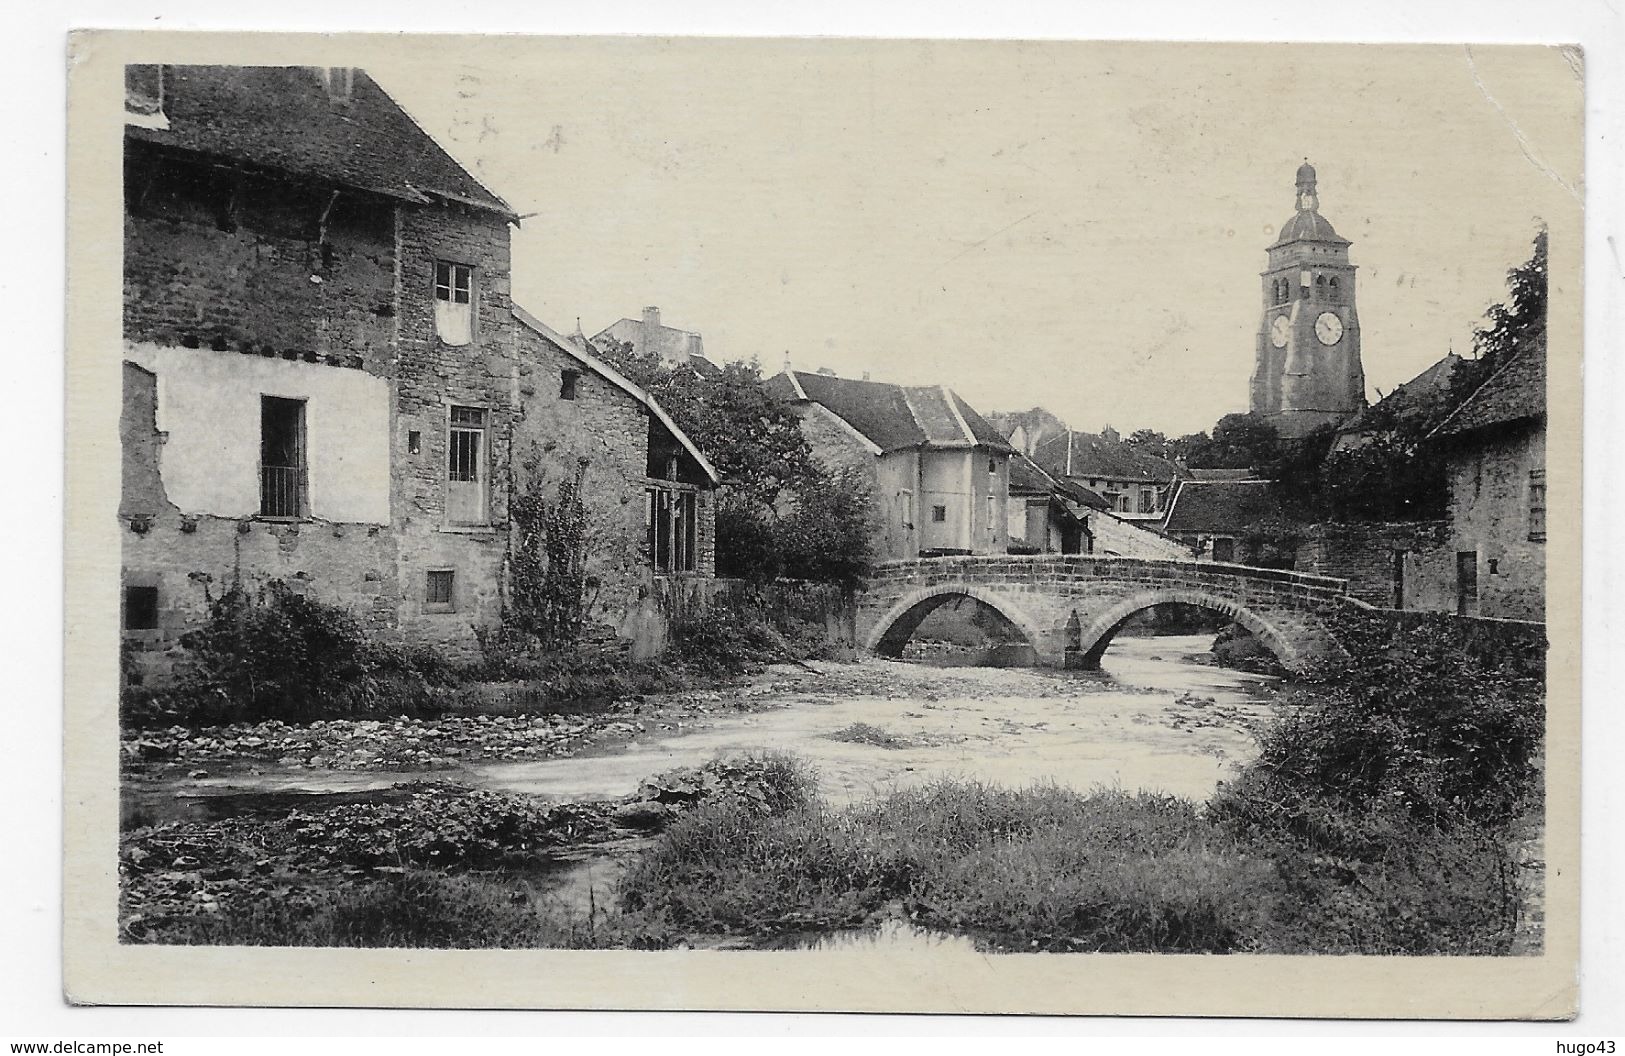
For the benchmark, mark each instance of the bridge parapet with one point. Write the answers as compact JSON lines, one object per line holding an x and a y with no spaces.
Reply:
{"x":1070,"y":606}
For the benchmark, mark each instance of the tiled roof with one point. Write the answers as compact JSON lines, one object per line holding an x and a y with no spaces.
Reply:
{"x":1223,"y":506}
{"x":283,"y":118}
{"x":892,"y":416}
{"x":1027,"y":478}
{"x":1095,"y":456}
{"x":1515,"y":392}
{"x":1414,"y":398}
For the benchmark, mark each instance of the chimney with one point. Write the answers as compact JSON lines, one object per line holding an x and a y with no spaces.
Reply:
{"x":1110,"y":435}
{"x":866,"y":375}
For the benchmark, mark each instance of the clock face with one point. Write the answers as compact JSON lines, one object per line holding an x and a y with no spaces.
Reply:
{"x":1329,"y":328}
{"x":1278,"y":332}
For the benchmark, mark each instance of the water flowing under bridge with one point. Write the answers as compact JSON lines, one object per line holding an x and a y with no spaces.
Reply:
{"x":1069,"y":607}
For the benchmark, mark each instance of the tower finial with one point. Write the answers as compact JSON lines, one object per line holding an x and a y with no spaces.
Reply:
{"x":1307,"y":199}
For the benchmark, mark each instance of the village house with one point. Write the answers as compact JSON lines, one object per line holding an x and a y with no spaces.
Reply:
{"x":1235,"y":521}
{"x":1494,"y":446}
{"x":1049,"y":515}
{"x":1136,"y":484}
{"x":1410,"y":403}
{"x":648,"y":336}
{"x":322,"y":364}
{"x":939,"y":473}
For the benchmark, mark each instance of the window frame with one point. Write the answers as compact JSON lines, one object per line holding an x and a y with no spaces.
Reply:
{"x":431,"y":603}
{"x":1536,"y":505}
{"x":481,"y":464}
{"x":125,"y":607}
{"x":299,"y":470}
{"x":569,"y":384}
{"x":672,"y":546}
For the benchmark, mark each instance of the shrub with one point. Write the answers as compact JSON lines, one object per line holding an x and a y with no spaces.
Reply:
{"x":276,"y":654}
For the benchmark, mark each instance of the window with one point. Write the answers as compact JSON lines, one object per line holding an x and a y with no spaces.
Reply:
{"x":414,"y":442}
{"x":1148,"y":500}
{"x":140,"y":608}
{"x":992,"y":465}
{"x":282,"y":457}
{"x":671,"y":524}
{"x":1467,"y":583}
{"x":567,"y":384}
{"x":939,"y":514}
{"x":466,"y":467}
{"x":992,"y":513}
{"x":1332,"y":286}
{"x":454,"y":302}
{"x":905,"y":505}
{"x":440,"y":590}
{"x":1537,"y":505}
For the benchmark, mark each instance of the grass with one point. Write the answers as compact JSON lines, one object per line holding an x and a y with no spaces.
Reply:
{"x":1051,"y":869}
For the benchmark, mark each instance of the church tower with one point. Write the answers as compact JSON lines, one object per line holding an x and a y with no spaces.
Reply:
{"x":1308,"y":371}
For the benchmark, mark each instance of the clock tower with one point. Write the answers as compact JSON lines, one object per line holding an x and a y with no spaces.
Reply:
{"x":1307,"y":371}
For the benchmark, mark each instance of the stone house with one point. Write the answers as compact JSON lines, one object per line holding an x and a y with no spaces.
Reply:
{"x":939,"y":473}
{"x":1137,"y":485}
{"x":321,"y":359}
{"x":1494,"y":447}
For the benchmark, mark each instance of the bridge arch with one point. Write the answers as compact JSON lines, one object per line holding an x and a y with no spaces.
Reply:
{"x":1096,"y":637}
{"x":894,"y":628}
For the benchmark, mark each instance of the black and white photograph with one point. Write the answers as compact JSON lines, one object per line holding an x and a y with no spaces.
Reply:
{"x":1022,"y":505}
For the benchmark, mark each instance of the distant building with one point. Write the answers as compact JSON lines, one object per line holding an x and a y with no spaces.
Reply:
{"x":1235,"y":521}
{"x":648,"y":336}
{"x":1494,"y":445}
{"x":1027,"y":429}
{"x":940,"y":473}
{"x":1136,"y":485}
{"x":1307,"y":371}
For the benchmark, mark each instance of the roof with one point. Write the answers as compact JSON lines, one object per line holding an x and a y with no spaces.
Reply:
{"x":1307,"y":225}
{"x":1223,"y":506}
{"x":1092,"y":455}
{"x":1516,"y":392}
{"x":1028,"y":478}
{"x":1219,"y":474}
{"x":1411,"y":399}
{"x":615,"y":378}
{"x":893,"y":417}
{"x":283,"y":118}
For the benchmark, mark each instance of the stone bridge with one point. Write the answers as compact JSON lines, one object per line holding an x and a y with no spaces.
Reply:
{"x":1070,"y":606}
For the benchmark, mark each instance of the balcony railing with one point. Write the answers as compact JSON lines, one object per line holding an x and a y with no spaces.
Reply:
{"x":282,"y":491}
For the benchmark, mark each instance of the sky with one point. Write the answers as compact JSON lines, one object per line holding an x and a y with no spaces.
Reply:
{"x":1073,"y":225}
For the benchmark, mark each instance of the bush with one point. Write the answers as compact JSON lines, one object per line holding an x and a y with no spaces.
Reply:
{"x":1430,"y":719}
{"x":276,"y":654}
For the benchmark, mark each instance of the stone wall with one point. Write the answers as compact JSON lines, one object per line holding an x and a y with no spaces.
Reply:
{"x":215,"y":265}
{"x":604,"y":433}
{"x":1115,"y":537}
{"x":1490,"y":519}
{"x":1369,"y":557}
{"x":433,"y":377}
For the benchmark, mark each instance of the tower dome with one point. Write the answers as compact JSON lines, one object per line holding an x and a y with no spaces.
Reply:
{"x":1306,"y":174}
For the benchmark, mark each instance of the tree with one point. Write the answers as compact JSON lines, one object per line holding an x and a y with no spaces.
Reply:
{"x":826,"y":535}
{"x":1519,"y":322}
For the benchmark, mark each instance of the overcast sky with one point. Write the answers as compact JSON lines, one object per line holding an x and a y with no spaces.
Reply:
{"x":1078,"y":226}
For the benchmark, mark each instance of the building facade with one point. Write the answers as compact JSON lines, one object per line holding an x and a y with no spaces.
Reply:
{"x":648,"y":336}
{"x":321,"y":357}
{"x":1307,"y":371}
{"x":1136,"y":485}
{"x":1494,"y":446}
{"x":939,"y":473}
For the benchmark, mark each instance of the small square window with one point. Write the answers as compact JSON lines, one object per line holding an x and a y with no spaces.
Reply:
{"x":992,"y":465}
{"x":414,"y":442}
{"x":939,"y":514}
{"x":140,"y":608}
{"x":567,"y":384}
{"x":452,"y":282}
{"x":439,"y":589}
